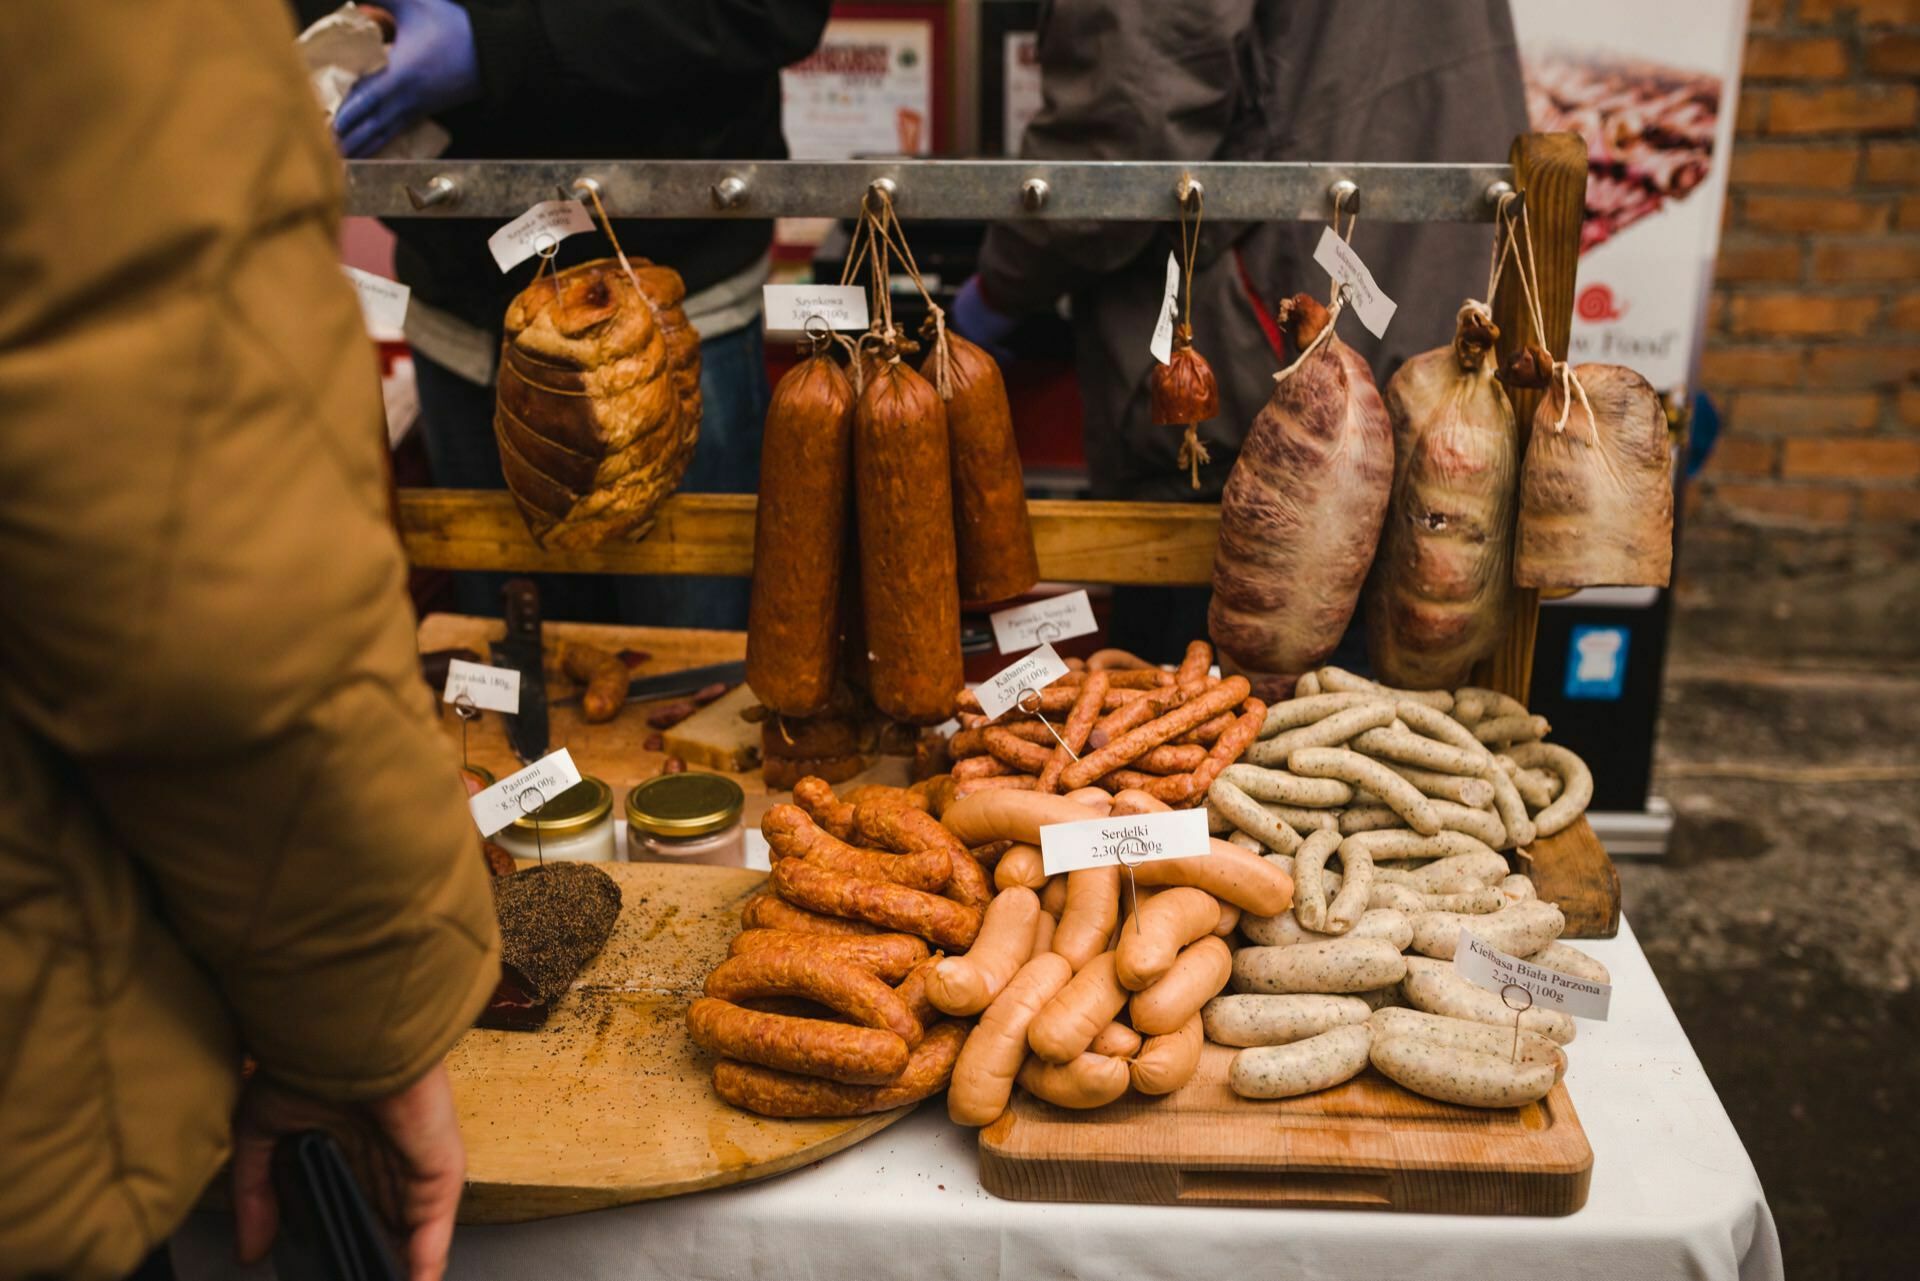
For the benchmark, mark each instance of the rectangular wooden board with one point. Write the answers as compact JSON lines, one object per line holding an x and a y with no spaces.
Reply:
{"x":1365,"y":1145}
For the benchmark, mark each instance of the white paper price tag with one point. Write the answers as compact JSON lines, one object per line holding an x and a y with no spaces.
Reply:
{"x":546,"y":224}
{"x":500,"y":804}
{"x":1162,"y":344}
{"x":383,"y":302}
{"x":1134,"y":838}
{"x":1496,"y":971}
{"x":1373,"y":307}
{"x":495,"y":688}
{"x":759,"y":855}
{"x":790,"y":307}
{"x":1006,"y":687}
{"x":1054,"y":619}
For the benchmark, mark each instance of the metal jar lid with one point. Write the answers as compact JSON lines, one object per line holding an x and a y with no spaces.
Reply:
{"x":578,"y":808}
{"x":678,"y":806}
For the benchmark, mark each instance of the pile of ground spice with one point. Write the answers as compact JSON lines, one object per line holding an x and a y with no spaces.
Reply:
{"x":553,"y":920}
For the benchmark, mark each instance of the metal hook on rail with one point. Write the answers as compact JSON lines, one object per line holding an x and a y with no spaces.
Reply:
{"x":441,"y":190}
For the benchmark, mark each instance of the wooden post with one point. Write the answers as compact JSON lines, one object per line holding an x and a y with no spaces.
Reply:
{"x":1550,"y":172}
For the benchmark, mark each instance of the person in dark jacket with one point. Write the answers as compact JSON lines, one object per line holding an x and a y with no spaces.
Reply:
{"x":589,"y":79}
{"x":1357,"y":80}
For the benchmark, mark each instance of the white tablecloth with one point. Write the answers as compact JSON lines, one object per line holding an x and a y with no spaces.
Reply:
{"x":1673,"y":1195}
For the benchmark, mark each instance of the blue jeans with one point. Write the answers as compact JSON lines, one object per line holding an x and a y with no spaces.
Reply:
{"x":456,"y":426}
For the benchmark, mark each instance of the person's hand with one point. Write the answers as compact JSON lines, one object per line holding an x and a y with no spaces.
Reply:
{"x":432,"y":65}
{"x":975,"y":320}
{"x":405,"y":1149}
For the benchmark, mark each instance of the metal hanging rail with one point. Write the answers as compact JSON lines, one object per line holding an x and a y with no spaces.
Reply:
{"x":964,"y":190}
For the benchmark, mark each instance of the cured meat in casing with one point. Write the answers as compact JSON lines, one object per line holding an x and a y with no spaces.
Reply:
{"x":1437,"y":598}
{"x":1596,"y":499}
{"x":1302,"y":509}
{"x":599,"y":400}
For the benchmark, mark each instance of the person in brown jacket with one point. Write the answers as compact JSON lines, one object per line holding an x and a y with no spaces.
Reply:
{"x":228,"y":824}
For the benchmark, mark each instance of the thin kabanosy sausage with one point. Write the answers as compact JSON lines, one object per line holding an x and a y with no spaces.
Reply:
{"x":996,"y":557}
{"x":938,"y":920}
{"x":994,"y":1051}
{"x":904,"y":501}
{"x":1229,"y":693}
{"x":799,"y":538}
{"x":1086,"y":710}
{"x":967,"y":984}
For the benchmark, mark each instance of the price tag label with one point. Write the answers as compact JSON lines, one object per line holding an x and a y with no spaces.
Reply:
{"x":1135,"y":838}
{"x":383,"y":302}
{"x":500,"y":804}
{"x":1054,"y":619}
{"x":495,"y":688}
{"x":1006,"y":687}
{"x":790,"y":307}
{"x":1366,"y":298}
{"x":1162,"y":344}
{"x":537,"y":230}
{"x":1489,"y":967}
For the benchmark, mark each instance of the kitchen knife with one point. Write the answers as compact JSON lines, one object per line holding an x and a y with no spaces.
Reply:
{"x":690,"y":681}
{"x":520,"y":650}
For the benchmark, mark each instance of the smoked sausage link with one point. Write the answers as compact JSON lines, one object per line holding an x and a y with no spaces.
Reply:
{"x":994,"y":539}
{"x":799,"y":538}
{"x":904,"y":499}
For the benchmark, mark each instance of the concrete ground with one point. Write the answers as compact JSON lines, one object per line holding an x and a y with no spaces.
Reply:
{"x":1783,"y":926}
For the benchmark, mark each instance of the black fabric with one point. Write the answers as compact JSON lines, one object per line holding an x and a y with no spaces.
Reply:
{"x":610,"y":79}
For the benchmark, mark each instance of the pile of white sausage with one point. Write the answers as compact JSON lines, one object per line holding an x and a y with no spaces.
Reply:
{"x":1415,"y":793}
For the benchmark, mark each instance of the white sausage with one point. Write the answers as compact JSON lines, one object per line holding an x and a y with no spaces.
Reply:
{"x":1309,"y":891}
{"x":1486,"y":899}
{"x":1283,"y":1071}
{"x":1454,"y":1075}
{"x":1277,"y":1020}
{"x":1343,"y":965}
{"x":1465,"y":1034}
{"x":1477,"y":867}
{"x":1351,"y":767}
{"x":1571,"y":960}
{"x":1285,"y":929}
{"x":1518,"y":886}
{"x":1288,"y":789}
{"x":1437,"y":988}
{"x":1518,"y":929}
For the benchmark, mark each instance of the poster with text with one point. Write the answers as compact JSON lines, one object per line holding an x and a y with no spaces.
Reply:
{"x":1651,"y":86}
{"x":868,"y":90}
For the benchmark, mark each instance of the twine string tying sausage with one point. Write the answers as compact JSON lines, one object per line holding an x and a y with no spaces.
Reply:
{"x":606,"y":225}
{"x":1526,"y":266}
{"x":1336,"y":296}
{"x":896,"y":238}
{"x":1189,"y":244}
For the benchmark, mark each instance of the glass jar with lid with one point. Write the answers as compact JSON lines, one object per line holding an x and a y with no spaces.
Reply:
{"x":692,"y":817}
{"x":576,"y":826}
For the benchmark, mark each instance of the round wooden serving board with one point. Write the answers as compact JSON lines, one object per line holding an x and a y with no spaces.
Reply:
{"x":611,"y":1103}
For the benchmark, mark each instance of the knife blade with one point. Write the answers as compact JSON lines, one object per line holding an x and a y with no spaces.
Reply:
{"x":520,"y":650}
{"x":689,"y":681}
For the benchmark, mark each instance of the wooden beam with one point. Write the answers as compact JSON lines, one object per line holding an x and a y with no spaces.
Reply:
{"x":1550,"y":172}
{"x":1082,"y":542}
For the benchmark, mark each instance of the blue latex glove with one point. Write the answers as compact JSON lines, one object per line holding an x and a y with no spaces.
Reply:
{"x":432,"y":65}
{"x":976,"y":321}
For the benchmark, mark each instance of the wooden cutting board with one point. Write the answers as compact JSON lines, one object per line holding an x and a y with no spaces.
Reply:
{"x":610,"y":1103}
{"x":1365,"y":1145}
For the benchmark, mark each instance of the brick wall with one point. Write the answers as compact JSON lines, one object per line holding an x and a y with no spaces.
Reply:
{"x":1813,"y":353}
